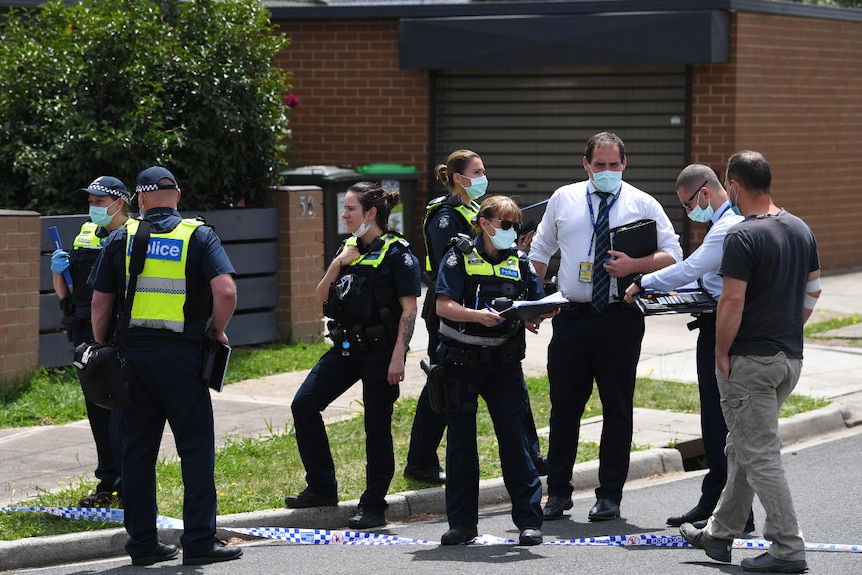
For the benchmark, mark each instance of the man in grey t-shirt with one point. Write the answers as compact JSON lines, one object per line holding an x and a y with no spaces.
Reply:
{"x":771,"y":281}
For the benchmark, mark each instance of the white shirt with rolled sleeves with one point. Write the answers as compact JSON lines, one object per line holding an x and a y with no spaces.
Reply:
{"x":702,"y":263}
{"x":567,"y":226}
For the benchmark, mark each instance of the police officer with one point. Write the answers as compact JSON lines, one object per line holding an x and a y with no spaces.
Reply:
{"x":187,"y":279}
{"x":369,"y":291}
{"x":481,"y":353}
{"x":109,"y":208}
{"x":445,"y":218}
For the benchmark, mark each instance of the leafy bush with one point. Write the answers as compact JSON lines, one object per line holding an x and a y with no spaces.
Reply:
{"x":110,"y":87}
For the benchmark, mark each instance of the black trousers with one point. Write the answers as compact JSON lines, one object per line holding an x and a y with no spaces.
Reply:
{"x":330,"y":378}
{"x":712,"y":425}
{"x":107,"y":427}
{"x":428,"y":426}
{"x":167,"y":387}
{"x":604,"y":348}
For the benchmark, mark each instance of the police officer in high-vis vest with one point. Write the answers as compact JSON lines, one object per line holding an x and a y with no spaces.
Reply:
{"x":480,"y":353}
{"x":369,"y":293}
{"x":445,"y":217}
{"x":185,"y":291}
{"x":109,"y":208}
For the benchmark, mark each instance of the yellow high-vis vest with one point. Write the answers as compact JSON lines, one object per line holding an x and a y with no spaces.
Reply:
{"x":161,"y":291}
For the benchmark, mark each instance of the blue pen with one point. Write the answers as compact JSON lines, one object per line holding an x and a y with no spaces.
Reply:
{"x":489,"y":308}
{"x":58,"y":245}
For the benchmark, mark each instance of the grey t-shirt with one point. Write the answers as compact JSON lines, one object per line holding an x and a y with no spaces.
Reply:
{"x":774,"y":254}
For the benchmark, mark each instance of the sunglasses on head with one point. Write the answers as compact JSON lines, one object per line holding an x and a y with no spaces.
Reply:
{"x":506,"y":224}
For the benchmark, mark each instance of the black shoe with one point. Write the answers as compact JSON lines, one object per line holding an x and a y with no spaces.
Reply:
{"x":530,"y":536}
{"x":101,"y":499}
{"x":555,"y":506}
{"x":718,"y":549}
{"x":604,"y":510}
{"x":162,"y":552}
{"x":749,"y":525}
{"x":766,"y":563}
{"x":220,"y":552}
{"x":459,"y":535}
{"x":693,"y":515}
{"x":541,"y":464}
{"x":309,"y":499}
{"x":433,"y":476}
{"x":366,"y":520}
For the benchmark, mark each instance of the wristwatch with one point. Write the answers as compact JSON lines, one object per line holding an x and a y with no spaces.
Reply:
{"x":637,"y":281}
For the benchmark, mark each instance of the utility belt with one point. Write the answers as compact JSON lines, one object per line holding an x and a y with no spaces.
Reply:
{"x":702,"y":321}
{"x":578,"y":310}
{"x":73,"y":322}
{"x":359,"y":337}
{"x":468,"y":356}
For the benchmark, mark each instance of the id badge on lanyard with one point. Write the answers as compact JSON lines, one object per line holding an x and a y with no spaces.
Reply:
{"x":585,"y":270}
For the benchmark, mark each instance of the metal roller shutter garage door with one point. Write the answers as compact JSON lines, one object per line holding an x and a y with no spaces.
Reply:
{"x":530,"y":126}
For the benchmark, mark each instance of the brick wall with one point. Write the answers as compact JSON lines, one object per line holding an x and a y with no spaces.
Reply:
{"x":792,"y":91}
{"x":300,"y":261}
{"x":356,"y":106}
{"x":19,"y":293}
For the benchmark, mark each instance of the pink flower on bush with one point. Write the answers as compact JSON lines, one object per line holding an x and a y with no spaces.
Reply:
{"x":291,"y":101}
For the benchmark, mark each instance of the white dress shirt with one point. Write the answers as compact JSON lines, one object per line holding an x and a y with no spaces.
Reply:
{"x":568,"y":226}
{"x":702,"y":263}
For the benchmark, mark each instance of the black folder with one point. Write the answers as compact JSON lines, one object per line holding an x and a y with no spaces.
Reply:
{"x":531,"y":216}
{"x":636,"y":239}
{"x":215,"y":359}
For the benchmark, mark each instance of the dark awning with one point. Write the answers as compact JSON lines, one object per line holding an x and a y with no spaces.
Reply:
{"x":561,"y":40}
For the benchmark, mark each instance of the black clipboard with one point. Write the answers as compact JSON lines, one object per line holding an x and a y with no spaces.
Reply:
{"x":531,"y":216}
{"x":525,"y":310}
{"x":637,"y":239}
{"x":215,"y":360}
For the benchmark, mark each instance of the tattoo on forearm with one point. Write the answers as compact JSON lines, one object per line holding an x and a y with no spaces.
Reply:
{"x":407,"y":324}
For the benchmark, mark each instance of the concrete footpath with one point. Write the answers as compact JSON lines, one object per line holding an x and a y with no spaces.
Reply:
{"x":43,"y":458}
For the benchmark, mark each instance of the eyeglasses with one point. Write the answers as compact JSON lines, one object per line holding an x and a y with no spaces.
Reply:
{"x":687,"y":204}
{"x":506,"y":224}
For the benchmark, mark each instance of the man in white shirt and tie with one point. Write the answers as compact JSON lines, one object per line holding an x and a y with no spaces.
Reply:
{"x":599,"y":336}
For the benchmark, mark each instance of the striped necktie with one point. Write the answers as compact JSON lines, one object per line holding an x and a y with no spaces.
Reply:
{"x":601,"y":279}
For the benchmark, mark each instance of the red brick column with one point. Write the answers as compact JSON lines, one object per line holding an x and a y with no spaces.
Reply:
{"x":19,"y":293}
{"x":300,"y":261}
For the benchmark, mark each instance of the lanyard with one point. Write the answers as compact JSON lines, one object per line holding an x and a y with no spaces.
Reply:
{"x":595,"y":220}
{"x":726,"y":207}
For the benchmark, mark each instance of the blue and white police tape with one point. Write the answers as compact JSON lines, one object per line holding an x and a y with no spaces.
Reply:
{"x":335,"y":537}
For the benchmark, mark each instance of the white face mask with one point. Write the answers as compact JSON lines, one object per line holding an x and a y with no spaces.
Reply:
{"x":362,"y":229}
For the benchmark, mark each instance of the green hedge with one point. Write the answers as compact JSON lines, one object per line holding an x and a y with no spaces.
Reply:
{"x":110,"y":87}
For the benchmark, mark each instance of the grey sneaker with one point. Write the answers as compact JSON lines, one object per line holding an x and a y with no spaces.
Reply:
{"x":766,"y":563}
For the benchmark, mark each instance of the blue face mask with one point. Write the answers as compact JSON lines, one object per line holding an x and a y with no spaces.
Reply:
{"x":503,"y":239}
{"x":735,"y":205}
{"x":698,"y":214}
{"x":477,"y":187}
{"x":99,"y":214}
{"x":607,"y":181}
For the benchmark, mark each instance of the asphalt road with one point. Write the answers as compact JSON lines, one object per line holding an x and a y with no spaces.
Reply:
{"x":823,"y":474}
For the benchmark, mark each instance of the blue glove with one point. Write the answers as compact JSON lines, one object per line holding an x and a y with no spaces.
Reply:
{"x":59,"y":261}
